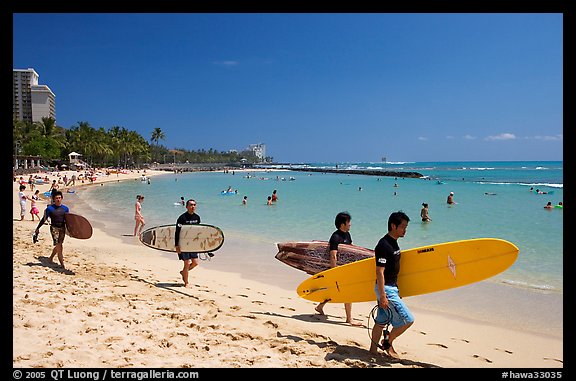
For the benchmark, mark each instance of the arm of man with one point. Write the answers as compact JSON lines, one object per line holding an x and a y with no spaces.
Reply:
{"x":177,"y":234}
{"x":333,"y":258}
{"x":42,"y":221}
{"x":383,"y":301}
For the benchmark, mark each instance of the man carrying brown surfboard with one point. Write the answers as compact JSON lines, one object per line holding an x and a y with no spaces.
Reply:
{"x":56,"y":212}
{"x":341,"y":235}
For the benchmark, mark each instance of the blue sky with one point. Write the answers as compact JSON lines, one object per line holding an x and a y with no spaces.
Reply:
{"x":316,"y":87}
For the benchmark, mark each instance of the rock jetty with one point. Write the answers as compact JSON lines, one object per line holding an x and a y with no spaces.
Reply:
{"x":369,"y":172}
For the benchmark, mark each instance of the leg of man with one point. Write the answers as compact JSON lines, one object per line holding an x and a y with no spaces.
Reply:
{"x":184,"y":271}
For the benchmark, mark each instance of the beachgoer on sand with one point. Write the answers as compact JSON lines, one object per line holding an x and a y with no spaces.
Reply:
{"x":33,"y":208}
{"x":140,"y":222}
{"x":189,"y":217}
{"x":341,"y":235}
{"x":391,"y":308}
{"x":55,"y":212}
{"x":23,"y":198}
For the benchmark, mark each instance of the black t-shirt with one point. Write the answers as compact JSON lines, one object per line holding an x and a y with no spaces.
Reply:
{"x":387,"y":255}
{"x":339,"y":237}
{"x":184,"y":219}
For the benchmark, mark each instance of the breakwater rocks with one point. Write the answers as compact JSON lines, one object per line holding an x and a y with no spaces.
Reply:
{"x":369,"y":172}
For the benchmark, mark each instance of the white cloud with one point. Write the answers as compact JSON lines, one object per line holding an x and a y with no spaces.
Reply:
{"x":547,"y":137}
{"x":227,"y":63}
{"x":469,"y":137}
{"x":502,"y":136}
{"x":422,"y":138}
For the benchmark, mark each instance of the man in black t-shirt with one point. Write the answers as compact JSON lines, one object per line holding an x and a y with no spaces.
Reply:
{"x":387,"y":256}
{"x":189,"y":217}
{"x":341,"y":235}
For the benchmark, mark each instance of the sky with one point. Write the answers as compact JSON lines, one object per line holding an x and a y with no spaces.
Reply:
{"x":312,"y":87}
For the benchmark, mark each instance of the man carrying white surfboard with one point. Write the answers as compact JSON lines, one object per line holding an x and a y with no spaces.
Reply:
{"x":391,"y":308}
{"x":189,"y":217}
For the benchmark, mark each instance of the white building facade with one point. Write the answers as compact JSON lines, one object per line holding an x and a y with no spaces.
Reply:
{"x":31,"y":101}
{"x":259,"y":150}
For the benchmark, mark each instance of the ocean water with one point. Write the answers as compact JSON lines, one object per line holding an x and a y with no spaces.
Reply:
{"x":493,"y":200}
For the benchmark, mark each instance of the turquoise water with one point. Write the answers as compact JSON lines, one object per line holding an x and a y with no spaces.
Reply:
{"x":308,"y":202}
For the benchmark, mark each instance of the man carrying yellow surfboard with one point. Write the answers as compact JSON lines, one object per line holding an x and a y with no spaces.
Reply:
{"x":391,"y":308}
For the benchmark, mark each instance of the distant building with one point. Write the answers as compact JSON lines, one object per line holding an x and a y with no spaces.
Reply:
{"x":31,"y":101}
{"x":259,"y":150}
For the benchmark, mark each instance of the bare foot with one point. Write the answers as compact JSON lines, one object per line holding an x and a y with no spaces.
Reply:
{"x":355,"y":324}
{"x":183,"y":280}
{"x":392,"y":352}
{"x":320,"y":310}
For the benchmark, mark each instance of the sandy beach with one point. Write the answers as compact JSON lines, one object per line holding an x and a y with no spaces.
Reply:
{"x":119,"y":304}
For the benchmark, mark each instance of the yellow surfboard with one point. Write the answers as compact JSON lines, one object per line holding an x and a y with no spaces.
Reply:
{"x":423,"y":270}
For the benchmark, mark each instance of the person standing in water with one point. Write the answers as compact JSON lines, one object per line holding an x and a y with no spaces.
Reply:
{"x":424,"y":213}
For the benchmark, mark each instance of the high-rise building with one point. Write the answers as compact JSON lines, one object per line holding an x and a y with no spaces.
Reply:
{"x":259,"y":150}
{"x":31,"y":101}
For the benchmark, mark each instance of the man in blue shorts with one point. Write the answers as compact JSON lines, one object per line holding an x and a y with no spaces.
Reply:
{"x":391,"y":308}
{"x":55,"y":212}
{"x":189,"y":217}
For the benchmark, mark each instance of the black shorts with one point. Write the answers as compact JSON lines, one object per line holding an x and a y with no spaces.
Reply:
{"x":185,"y":256}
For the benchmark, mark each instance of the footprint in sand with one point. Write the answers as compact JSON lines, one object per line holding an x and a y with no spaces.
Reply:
{"x":271,"y":324}
{"x":439,"y":345}
{"x":550,"y":359}
{"x":482,"y":358}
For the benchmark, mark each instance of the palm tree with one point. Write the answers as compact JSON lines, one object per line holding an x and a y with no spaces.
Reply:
{"x":157,"y":135}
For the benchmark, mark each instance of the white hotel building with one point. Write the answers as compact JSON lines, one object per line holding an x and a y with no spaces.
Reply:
{"x":31,"y":101}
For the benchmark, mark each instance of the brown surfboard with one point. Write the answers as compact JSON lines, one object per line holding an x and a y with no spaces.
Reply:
{"x":77,"y":226}
{"x":313,"y":256}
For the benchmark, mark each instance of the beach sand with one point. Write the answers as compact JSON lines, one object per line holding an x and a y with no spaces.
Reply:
{"x":119,"y":304}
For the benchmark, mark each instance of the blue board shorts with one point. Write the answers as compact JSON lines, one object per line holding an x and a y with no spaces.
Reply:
{"x":185,"y":256}
{"x":401,"y":315}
